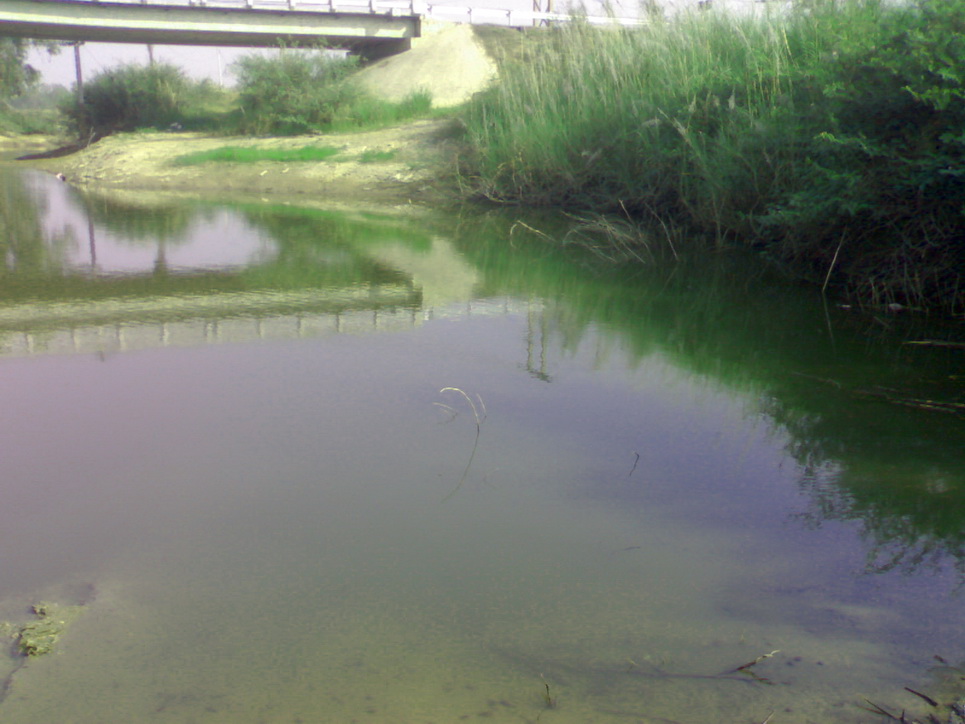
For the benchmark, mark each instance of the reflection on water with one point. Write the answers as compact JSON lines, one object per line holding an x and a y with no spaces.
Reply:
{"x":224,"y":432}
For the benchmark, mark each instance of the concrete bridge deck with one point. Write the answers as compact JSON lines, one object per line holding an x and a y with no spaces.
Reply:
{"x":366,"y":28}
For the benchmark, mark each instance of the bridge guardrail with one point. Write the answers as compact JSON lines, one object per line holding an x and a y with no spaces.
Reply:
{"x":440,"y":11}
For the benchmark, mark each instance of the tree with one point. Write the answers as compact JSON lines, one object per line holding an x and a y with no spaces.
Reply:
{"x":16,"y":76}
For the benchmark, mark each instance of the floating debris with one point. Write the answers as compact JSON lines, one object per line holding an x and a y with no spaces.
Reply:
{"x":37,"y":638}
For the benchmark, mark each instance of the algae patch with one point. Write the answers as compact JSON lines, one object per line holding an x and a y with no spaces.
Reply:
{"x":38,"y":637}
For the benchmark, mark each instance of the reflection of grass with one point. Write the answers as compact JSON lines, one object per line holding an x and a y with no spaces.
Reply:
{"x":238,"y":154}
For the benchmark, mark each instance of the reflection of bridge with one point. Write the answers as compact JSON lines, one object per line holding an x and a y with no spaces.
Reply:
{"x":118,"y":325}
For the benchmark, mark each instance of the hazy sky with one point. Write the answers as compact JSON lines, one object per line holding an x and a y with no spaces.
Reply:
{"x":215,"y":63}
{"x":197,"y":62}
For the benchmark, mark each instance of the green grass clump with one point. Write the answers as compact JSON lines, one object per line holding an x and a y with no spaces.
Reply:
{"x":240,"y":154}
{"x":365,"y":111}
{"x":374,"y":156}
{"x":830,"y":137}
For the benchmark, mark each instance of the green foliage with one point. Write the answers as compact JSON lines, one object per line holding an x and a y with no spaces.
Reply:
{"x":15,"y":75}
{"x":831,"y":137}
{"x":308,"y":92}
{"x":368,"y":112}
{"x":19,"y":121}
{"x":293,"y":92}
{"x":884,"y":184}
{"x":208,"y":107}
{"x":35,"y":111}
{"x":240,"y":154}
{"x":130,"y":97}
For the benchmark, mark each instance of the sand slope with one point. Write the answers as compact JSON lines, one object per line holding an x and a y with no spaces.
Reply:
{"x":448,"y":60}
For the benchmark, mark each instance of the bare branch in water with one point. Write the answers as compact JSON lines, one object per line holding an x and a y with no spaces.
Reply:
{"x":479,"y":416}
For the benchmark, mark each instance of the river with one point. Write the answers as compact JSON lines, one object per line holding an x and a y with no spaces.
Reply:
{"x":304,"y":465}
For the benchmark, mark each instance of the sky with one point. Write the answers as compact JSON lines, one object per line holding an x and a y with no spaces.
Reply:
{"x":197,"y":62}
{"x":215,"y":63}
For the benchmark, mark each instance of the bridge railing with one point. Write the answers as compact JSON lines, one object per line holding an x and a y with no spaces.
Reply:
{"x":436,"y":11}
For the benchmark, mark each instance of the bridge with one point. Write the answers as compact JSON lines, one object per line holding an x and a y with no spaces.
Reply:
{"x":370,"y":28}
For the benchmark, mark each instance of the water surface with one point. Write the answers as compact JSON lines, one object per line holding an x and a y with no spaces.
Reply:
{"x":226,"y":431}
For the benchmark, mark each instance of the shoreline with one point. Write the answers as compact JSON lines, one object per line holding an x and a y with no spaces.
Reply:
{"x":415,"y":156}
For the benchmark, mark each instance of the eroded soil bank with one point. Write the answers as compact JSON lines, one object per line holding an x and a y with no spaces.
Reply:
{"x":407,"y":169}
{"x":398,"y":165}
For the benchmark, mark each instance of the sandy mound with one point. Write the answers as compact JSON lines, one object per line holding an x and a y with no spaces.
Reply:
{"x":448,"y":60}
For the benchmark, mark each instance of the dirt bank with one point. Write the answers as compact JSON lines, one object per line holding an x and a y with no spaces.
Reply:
{"x":396,"y":165}
{"x":408,"y":165}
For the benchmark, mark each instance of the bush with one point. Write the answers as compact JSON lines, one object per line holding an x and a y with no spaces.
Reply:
{"x":308,"y":92}
{"x":880,"y":193}
{"x":129,"y":97}
{"x":832,"y":137}
{"x":293,"y":92}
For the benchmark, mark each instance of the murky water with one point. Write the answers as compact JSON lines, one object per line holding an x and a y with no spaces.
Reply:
{"x":226,"y":431}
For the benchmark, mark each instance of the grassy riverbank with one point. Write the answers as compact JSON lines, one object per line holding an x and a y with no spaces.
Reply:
{"x":831,"y":139}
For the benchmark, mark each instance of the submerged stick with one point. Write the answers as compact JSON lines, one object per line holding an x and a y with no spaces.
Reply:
{"x":550,"y":701}
{"x":922,"y":696}
{"x":756,"y":661}
{"x":635,"y":461}
{"x":881,"y":711}
{"x":740,"y":673}
{"x":935,"y":343}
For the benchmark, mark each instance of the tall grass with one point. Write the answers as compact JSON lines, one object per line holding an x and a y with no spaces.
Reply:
{"x":367,"y":111}
{"x":831,"y":136}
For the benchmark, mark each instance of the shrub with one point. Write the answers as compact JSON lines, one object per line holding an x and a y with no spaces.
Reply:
{"x":129,"y":97}
{"x":881,"y":191}
{"x":293,"y":92}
